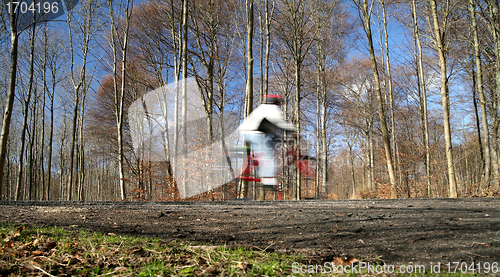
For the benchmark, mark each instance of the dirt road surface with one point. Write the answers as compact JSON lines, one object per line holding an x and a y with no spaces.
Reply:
{"x":410,"y":231}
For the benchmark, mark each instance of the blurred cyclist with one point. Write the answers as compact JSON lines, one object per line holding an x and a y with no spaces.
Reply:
{"x":260,"y":129}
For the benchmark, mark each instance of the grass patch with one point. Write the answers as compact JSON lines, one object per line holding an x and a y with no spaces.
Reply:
{"x":36,"y":251}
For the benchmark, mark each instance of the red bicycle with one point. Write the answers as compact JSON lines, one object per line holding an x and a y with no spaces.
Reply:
{"x":247,"y":172}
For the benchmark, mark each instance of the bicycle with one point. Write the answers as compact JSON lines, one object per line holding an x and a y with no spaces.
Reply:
{"x":247,"y":172}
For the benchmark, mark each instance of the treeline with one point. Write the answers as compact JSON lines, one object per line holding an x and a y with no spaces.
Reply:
{"x":395,"y":99}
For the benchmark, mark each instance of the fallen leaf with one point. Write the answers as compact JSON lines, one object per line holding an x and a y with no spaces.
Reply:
{"x":111,"y":234}
{"x":35,"y":242}
{"x":244,"y":265}
{"x":8,"y":244}
{"x":49,"y":246}
{"x":37,"y":253}
{"x":346,"y":262}
{"x":18,"y":231}
{"x":212,"y":270}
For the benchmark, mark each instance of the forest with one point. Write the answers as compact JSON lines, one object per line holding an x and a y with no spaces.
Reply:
{"x":393,"y":98}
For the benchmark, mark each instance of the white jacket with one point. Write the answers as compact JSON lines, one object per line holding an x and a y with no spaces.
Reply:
{"x":266,"y":118}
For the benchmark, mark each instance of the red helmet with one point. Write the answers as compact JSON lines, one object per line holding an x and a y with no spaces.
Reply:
{"x":273,"y":99}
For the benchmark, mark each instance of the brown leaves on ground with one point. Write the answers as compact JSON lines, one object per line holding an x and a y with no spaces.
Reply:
{"x":36,"y":253}
{"x":345,"y":262}
{"x":23,"y":254}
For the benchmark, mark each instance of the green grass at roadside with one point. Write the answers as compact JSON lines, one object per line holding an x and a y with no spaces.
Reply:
{"x":50,"y":251}
{"x":34,"y":251}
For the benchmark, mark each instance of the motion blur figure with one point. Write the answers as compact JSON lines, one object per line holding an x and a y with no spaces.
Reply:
{"x":260,"y":129}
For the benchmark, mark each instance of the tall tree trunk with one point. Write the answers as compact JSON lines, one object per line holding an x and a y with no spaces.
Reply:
{"x":177,"y":76}
{"x":32,"y":191}
{"x":120,"y":92}
{"x":422,"y":92}
{"x":268,"y":18}
{"x":51,"y":133}
{"x":25,"y":115}
{"x":482,"y":99}
{"x":389,"y":82}
{"x":44,"y":100}
{"x":381,"y":111}
{"x":249,"y":55}
{"x":494,"y":10}
{"x":184,"y":93}
{"x":4,"y":135}
{"x":297,"y":181}
{"x":445,"y":102}
{"x":322,"y":164}
{"x":78,"y":84}
{"x":353,"y":175}
{"x":73,"y":143}
{"x":249,"y":83}
{"x":81,"y":150}
{"x":394,"y":145}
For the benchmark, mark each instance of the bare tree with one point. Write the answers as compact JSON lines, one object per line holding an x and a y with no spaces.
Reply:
{"x":296,"y":29}
{"x":482,"y":99}
{"x":389,"y":82}
{"x":7,"y":116}
{"x":249,"y":6}
{"x":494,"y":29}
{"x":439,"y":33}
{"x":78,"y":75}
{"x":184,"y":141}
{"x":422,"y":92}
{"x":366,"y":11}
{"x":26,"y":112}
{"x":119,"y":92}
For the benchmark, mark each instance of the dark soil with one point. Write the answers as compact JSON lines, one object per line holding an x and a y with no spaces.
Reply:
{"x":417,"y":231}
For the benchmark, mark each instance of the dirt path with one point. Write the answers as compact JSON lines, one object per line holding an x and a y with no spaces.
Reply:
{"x":418,"y":231}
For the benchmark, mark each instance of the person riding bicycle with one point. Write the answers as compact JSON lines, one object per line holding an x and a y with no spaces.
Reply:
{"x":260,"y":129}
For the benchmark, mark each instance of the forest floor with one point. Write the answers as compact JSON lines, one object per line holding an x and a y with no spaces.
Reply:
{"x":409,"y":231}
